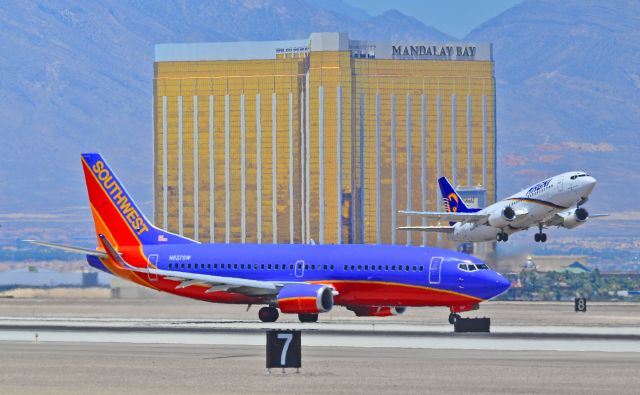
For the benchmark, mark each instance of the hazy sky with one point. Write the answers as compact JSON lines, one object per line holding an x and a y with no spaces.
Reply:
{"x":454,"y":17}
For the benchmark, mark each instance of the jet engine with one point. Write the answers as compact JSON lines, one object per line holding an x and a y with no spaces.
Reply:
{"x":573,"y":218}
{"x":375,"y":311}
{"x":305,"y":298}
{"x":500,"y":219}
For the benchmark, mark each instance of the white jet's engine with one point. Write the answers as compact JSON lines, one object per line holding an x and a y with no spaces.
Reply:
{"x":501,"y":218}
{"x":573,"y":218}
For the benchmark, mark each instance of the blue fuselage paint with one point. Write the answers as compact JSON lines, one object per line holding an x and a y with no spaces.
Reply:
{"x":399,"y":265}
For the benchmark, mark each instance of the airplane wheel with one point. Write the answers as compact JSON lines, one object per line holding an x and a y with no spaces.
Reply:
{"x":308,"y":317}
{"x":453,"y":317}
{"x":268,"y":314}
{"x":499,"y":237}
{"x":505,"y":237}
{"x":536,"y":237}
{"x":543,"y":237}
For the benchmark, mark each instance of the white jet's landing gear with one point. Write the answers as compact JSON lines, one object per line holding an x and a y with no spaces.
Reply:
{"x":540,"y":236}
{"x":502,"y":236}
{"x":453,"y":317}
{"x":308,"y":317}
{"x":268,"y":314}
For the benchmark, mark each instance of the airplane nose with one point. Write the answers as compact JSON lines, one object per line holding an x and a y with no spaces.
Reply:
{"x":502,"y":284}
{"x":588,"y":183}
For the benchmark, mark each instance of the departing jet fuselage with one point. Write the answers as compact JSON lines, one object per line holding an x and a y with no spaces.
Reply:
{"x":556,"y":196}
{"x":556,"y":201}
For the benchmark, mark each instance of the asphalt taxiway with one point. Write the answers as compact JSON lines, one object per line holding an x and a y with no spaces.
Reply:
{"x":108,"y":368}
{"x":179,"y":346}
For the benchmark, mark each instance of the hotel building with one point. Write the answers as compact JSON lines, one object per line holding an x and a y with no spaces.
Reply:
{"x":321,"y":139}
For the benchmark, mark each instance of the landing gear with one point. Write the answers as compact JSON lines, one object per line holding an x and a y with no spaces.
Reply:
{"x":268,"y":314}
{"x":453,"y":317}
{"x":540,"y":237}
{"x":502,"y":236}
{"x":308,"y":317}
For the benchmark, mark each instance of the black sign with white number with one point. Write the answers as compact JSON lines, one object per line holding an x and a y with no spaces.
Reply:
{"x":284,"y":349}
{"x":581,"y":305}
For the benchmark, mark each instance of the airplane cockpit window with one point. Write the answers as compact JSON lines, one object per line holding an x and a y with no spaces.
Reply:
{"x":470,"y":267}
{"x":573,"y":177}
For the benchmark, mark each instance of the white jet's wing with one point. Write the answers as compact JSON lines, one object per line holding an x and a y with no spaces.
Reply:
{"x":450,"y":217}
{"x":76,"y":250}
{"x":434,"y":229}
{"x":557,"y":219}
{"x":214,"y":283}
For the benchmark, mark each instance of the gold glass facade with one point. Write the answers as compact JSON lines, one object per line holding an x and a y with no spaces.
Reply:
{"x":310,"y":140}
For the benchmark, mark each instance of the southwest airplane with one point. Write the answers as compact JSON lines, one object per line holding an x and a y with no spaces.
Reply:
{"x":555,"y":201}
{"x":370,"y":280}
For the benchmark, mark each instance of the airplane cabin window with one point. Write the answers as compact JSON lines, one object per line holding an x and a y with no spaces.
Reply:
{"x":421,"y":268}
{"x":331,"y":267}
{"x":291,"y":267}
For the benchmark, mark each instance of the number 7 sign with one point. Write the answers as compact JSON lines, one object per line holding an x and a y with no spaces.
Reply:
{"x":284,"y":349}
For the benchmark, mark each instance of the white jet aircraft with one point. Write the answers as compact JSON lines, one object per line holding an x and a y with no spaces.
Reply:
{"x":555,"y":201}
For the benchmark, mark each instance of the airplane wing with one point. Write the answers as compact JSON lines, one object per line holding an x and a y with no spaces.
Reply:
{"x":77,"y":250}
{"x":558,"y":219}
{"x":450,"y":217}
{"x":215,"y":283}
{"x":434,"y":229}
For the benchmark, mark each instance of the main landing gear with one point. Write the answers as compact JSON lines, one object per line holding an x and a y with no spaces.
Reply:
{"x":268,"y":314}
{"x":453,"y":317}
{"x":308,"y":317}
{"x":502,"y":236}
{"x":271,"y":314}
{"x":540,"y":237}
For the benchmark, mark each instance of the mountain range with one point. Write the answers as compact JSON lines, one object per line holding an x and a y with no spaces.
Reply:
{"x":77,"y":76}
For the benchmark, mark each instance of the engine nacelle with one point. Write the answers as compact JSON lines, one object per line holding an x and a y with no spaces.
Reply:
{"x":500,"y":219}
{"x":305,"y":298}
{"x":574,"y":218}
{"x":376,"y":311}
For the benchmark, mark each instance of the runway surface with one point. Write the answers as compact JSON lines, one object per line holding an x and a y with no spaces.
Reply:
{"x":175,"y":346}
{"x":101,"y":368}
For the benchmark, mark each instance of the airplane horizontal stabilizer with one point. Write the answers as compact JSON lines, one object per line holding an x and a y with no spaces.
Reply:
{"x":76,"y":250}
{"x":450,"y":217}
{"x":214,"y":283}
{"x":434,"y":229}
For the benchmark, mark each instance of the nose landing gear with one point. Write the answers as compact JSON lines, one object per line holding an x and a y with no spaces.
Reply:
{"x":453,"y":317}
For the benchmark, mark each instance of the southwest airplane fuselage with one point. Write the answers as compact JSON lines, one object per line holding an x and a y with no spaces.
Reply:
{"x":361,"y":275}
{"x":370,"y":280}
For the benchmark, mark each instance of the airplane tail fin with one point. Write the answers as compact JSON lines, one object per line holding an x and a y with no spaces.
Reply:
{"x":115,"y":214}
{"x":453,"y":203}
